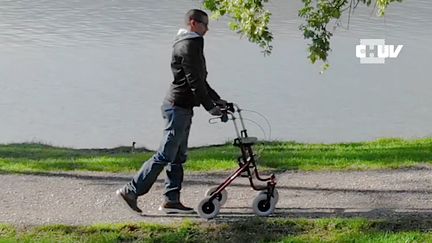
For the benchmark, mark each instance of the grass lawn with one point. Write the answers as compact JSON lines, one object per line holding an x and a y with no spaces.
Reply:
{"x":246,"y":230}
{"x":279,"y":156}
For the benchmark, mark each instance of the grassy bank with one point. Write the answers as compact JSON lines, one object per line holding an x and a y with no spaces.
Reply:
{"x":250,"y":230}
{"x":379,"y":154}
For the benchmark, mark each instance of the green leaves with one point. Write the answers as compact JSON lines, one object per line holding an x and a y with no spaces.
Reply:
{"x":317,"y":15}
{"x":382,"y":5}
{"x":249,"y":18}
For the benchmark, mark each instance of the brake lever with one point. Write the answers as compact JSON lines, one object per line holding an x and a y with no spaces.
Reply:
{"x":224,"y":109}
{"x":230,"y":107}
{"x":223,"y":118}
{"x":213,"y":120}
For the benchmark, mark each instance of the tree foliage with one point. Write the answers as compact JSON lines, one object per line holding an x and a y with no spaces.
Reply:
{"x":251,"y":19}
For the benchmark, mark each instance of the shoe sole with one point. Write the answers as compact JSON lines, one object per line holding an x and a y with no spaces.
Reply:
{"x":120,"y":197}
{"x":175,"y":211}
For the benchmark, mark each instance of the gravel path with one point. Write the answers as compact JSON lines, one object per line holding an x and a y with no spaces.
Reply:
{"x":89,"y":198}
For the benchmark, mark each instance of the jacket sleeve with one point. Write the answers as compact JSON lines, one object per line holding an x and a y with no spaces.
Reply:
{"x":193,"y":68}
{"x":212,"y":93}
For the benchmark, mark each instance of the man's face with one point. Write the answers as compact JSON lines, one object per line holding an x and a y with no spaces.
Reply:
{"x":200,"y":26}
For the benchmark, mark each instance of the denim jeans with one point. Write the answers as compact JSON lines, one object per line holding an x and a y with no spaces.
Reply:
{"x":171,"y":155}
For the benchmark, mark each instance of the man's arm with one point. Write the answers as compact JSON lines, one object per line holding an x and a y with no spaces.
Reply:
{"x":192,"y":65}
{"x":212,"y":93}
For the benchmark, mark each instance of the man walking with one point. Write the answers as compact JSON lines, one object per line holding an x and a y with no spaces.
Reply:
{"x":189,"y":89}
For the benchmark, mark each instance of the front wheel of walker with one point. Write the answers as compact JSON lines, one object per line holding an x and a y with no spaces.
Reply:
{"x":221,"y":197}
{"x":207,"y":208}
{"x":275,"y":195}
{"x":262,"y":206}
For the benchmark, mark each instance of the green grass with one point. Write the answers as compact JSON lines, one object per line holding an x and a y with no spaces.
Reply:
{"x":246,"y":230}
{"x":379,"y":154}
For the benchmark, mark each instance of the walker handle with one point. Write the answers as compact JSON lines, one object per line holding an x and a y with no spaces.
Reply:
{"x":228,"y":109}
{"x":225,"y":110}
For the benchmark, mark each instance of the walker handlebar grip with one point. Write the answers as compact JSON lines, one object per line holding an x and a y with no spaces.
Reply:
{"x":228,"y":107}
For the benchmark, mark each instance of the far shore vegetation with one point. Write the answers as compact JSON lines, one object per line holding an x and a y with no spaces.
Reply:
{"x":278,"y":156}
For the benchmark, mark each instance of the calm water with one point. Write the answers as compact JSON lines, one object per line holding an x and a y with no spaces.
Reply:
{"x":93,"y":74}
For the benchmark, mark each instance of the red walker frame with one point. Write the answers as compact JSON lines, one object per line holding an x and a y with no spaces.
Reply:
{"x":247,"y":162}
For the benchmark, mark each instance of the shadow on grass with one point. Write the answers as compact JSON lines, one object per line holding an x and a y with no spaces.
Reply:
{"x":417,"y":153}
{"x":323,"y":230}
{"x":34,"y":151}
{"x":313,"y":225}
{"x":235,"y":214}
{"x":275,"y":156}
{"x":250,"y":229}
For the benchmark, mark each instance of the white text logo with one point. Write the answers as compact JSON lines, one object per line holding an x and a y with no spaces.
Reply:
{"x":376,"y":51}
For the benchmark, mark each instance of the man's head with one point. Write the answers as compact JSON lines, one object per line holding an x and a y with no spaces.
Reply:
{"x":197,"y":21}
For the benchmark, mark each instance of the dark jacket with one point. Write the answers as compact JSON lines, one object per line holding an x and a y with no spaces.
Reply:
{"x":190,"y":87}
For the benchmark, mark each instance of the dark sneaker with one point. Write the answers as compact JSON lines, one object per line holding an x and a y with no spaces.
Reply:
{"x":129,"y":200}
{"x":169,"y":207}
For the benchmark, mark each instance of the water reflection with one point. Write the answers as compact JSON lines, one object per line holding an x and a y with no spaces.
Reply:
{"x":93,"y":73}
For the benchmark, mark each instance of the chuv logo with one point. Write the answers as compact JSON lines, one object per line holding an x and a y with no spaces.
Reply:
{"x":376,"y":51}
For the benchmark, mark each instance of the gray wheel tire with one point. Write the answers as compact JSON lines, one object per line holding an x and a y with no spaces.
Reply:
{"x":222,"y":198}
{"x":261,"y":206}
{"x":275,"y":195}
{"x":207,"y":209}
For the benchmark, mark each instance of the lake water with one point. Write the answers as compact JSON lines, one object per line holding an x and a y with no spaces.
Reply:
{"x":93,"y":74}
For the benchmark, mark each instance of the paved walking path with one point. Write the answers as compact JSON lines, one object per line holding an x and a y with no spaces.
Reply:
{"x":89,"y":198}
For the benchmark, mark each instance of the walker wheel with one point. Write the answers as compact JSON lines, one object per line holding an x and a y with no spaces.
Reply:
{"x":263,"y":207}
{"x":207,"y":208}
{"x":275,"y":195}
{"x":221,"y":197}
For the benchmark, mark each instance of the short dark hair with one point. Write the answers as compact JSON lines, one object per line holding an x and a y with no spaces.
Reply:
{"x":195,"y":14}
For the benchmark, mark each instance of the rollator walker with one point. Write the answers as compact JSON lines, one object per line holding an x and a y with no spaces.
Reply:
{"x":265,"y":202}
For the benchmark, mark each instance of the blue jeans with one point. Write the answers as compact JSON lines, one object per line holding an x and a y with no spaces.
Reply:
{"x":171,"y":155}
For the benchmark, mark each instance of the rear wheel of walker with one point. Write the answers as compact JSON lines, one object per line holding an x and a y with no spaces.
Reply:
{"x":275,"y":195}
{"x":262,"y":206}
{"x":221,"y":197}
{"x":207,"y":208}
